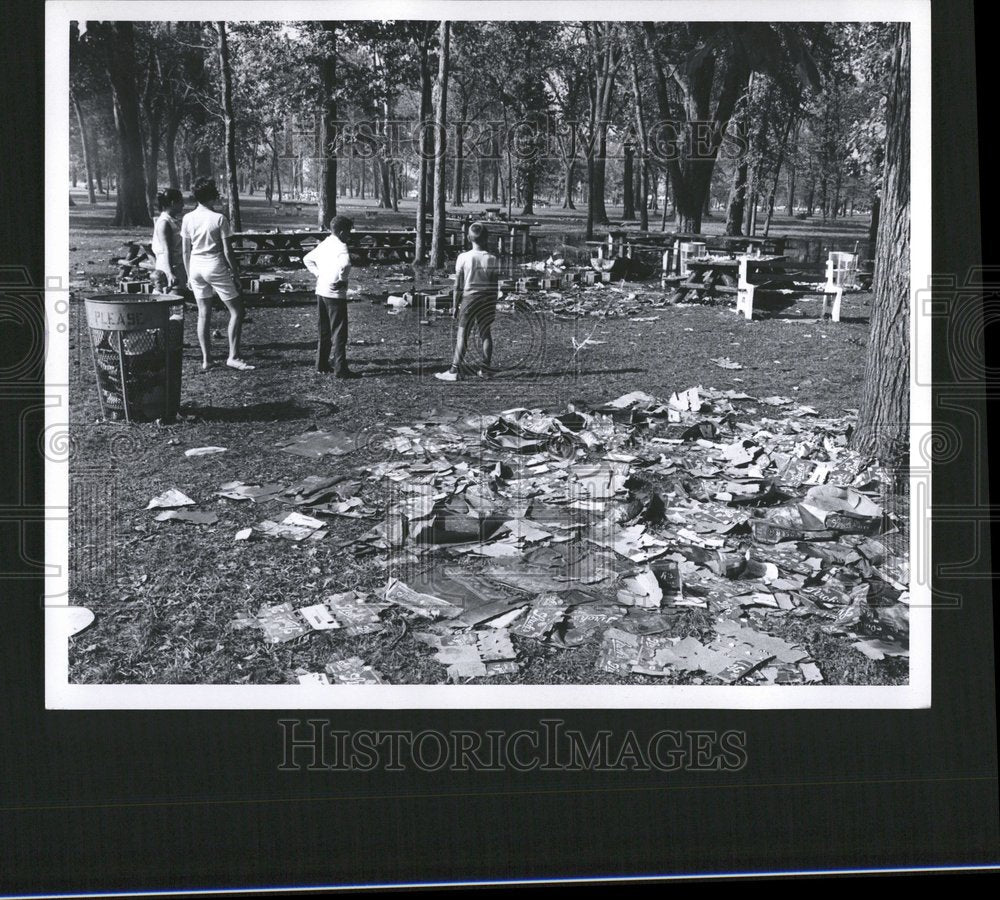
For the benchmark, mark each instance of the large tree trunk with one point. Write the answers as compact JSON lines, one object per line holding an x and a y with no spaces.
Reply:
{"x":691,"y":174}
{"x":131,"y":207}
{"x":424,"y":173}
{"x":327,"y":194}
{"x":85,"y":143}
{"x":226,"y":78}
{"x":440,"y":148}
{"x":529,"y":190}
{"x":884,"y":415}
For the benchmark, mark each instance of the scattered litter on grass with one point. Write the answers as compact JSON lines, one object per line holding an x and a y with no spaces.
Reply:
{"x":316,"y":444}
{"x":170,"y":499}
{"x":188,"y":515}
{"x":607,"y":526}
{"x":204,"y":451}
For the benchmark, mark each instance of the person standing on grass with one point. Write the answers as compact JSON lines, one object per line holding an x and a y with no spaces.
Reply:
{"x":330,"y":262}
{"x":168,"y":248}
{"x":212,"y":270}
{"x":477,"y":273}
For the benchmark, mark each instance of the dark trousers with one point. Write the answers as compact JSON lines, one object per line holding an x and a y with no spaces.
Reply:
{"x":332,"y":334}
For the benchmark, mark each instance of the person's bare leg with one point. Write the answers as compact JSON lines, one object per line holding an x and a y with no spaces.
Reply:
{"x":235,"y":308}
{"x":487,"y":337}
{"x":205,"y":331}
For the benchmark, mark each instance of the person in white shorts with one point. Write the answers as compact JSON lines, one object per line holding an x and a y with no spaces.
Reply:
{"x":212,"y":270}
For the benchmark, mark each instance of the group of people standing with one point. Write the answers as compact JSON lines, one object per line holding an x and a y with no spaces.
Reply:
{"x":193,"y":253}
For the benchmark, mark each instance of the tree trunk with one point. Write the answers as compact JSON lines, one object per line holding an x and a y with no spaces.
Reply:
{"x":440,"y":148}
{"x":777,"y":170}
{"x":230,"y":127}
{"x":884,"y":413}
{"x":426,"y":153}
{"x":529,"y":190}
{"x":170,"y":150}
{"x":131,"y":207}
{"x":811,"y":195}
{"x":597,"y":212}
{"x":85,"y":143}
{"x":737,"y":198}
{"x":152,"y":164}
{"x":456,"y":188}
{"x":327,"y":194}
{"x":628,"y":185}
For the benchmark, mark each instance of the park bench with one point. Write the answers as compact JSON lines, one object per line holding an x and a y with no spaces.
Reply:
{"x":839,"y":274}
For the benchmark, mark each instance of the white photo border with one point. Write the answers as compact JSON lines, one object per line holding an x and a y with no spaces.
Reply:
{"x":61,"y":694}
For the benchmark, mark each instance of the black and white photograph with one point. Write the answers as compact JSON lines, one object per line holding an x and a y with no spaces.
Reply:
{"x":466,"y":359}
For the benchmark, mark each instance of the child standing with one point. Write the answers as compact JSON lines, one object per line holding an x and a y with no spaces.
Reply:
{"x":330,"y":262}
{"x":168,"y":248}
{"x":477,"y":273}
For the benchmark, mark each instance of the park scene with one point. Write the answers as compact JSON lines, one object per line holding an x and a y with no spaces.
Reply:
{"x":489,"y":353}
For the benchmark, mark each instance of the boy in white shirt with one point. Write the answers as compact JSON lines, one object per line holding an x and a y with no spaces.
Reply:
{"x":477,"y":273}
{"x":330,"y":262}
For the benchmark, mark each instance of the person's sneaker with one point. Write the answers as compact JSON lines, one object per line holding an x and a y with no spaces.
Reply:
{"x":348,"y":375}
{"x":486,"y":372}
{"x":446,"y":376}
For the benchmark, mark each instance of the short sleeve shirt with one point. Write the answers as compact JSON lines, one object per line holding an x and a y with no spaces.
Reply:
{"x":206,"y":230}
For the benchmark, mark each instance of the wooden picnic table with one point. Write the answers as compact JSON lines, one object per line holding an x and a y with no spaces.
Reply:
{"x":715,"y":275}
{"x":737,"y":243}
{"x":263,"y":249}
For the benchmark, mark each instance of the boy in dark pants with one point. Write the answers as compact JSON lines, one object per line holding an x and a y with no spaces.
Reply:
{"x":477,"y":273}
{"x":330,"y":262}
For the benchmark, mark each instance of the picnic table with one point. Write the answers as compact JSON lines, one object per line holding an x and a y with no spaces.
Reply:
{"x":737,"y":243}
{"x":264,"y":249}
{"x":286,"y":206}
{"x":711,"y":276}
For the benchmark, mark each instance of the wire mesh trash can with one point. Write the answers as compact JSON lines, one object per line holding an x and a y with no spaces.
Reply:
{"x":137,"y":346}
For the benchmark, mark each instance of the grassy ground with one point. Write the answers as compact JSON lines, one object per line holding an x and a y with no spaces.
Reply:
{"x":166,"y":602}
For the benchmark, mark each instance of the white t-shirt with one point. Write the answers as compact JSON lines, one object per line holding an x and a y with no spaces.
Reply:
{"x":330,"y":262}
{"x":206,"y":231}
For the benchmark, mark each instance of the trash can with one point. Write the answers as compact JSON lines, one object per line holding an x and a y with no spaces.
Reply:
{"x":137,"y":345}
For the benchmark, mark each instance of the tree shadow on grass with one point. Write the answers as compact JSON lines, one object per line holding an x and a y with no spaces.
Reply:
{"x":275,"y":411}
{"x":577,"y":372}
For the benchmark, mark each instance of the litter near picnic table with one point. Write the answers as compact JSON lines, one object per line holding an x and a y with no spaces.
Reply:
{"x":724,"y":362}
{"x":204,"y":451}
{"x":170,"y":499}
